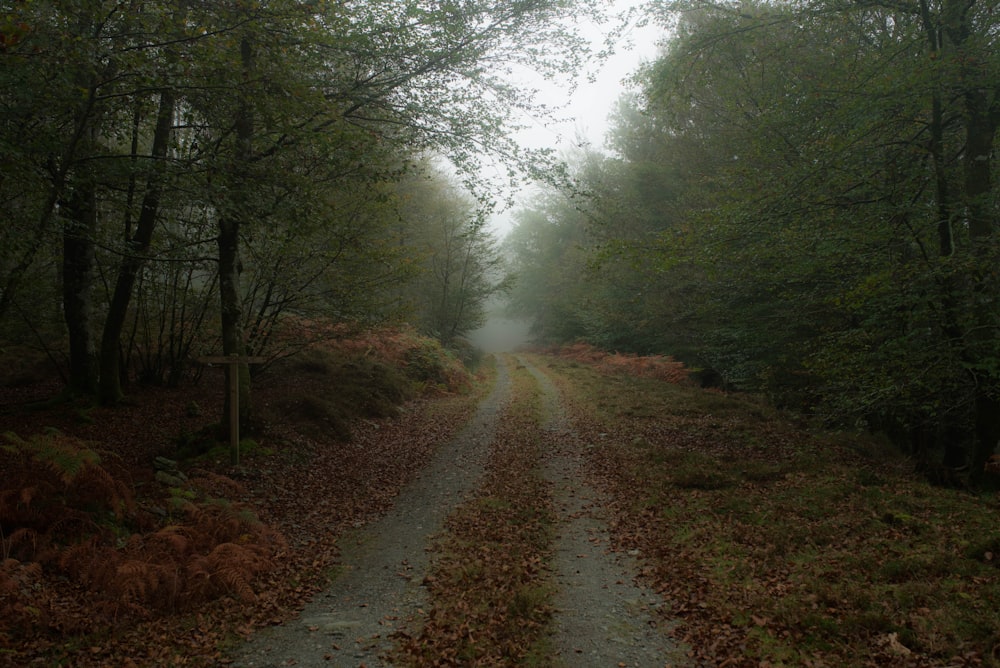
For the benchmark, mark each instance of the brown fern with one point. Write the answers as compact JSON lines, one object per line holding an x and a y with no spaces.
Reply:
{"x":81,"y":562}
{"x":95,"y":487}
{"x":63,"y":455}
{"x":229,"y":569}
{"x":61,"y":510}
{"x":141,"y":583}
{"x":54,"y":485}
{"x":21,"y":542}
{"x":172,"y":539}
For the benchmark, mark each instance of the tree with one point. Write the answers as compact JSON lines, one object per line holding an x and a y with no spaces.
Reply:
{"x":805,"y":190}
{"x":548,"y":256}
{"x":405,"y":88}
{"x":92,"y":172}
{"x":457,"y":259}
{"x":59,"y":128}
{"x":138,"y":245}
{"x":330,"y":98}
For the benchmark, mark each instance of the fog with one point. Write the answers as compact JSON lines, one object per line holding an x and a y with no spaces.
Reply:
{"x":501,"y":335}
{"x":584,"y":118}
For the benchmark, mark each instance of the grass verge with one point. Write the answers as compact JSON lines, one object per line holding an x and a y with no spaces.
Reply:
{"x":774,"y":545}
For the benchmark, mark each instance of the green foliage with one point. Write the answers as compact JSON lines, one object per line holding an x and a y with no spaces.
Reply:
{"x":456,"y":261}
{"x":791,"y":210}
{"x":761,"y":528}
{"x":548,"y":259}
{"x":300,"y":155}
{"x":64,"y":456}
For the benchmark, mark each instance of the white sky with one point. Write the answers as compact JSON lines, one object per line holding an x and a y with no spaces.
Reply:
{"x":592,"y":102}
{"x":588,"y":108}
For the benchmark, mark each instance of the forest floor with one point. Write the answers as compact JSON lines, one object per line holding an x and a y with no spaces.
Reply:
{"x":406,"y":593}
{"x":556,"y":513}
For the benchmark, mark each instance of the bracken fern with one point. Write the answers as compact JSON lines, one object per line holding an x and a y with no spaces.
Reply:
{"x":62,"y":511}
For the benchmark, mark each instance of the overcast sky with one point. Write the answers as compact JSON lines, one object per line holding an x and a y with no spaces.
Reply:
{"x":587,"y":113}
{"x":587,"y":109}
{"x":591,"y":103}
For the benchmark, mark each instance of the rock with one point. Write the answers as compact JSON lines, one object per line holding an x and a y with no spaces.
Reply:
{"x":177,"y":479}
{"x":167,"y":472}
{"x":164,"y":464}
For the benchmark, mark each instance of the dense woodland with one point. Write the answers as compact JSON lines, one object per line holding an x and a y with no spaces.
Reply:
{"x":190,"y":178}
{"x":799,"y":200}
{"x":193,"y":178}
{"x":796,"y":200}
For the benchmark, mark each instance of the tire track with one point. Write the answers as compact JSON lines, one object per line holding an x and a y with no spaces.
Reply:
{"x":349,"y":624}
{"x":603,"y":618}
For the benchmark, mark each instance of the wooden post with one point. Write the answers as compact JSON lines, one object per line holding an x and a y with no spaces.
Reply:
{"x":232,"y":363}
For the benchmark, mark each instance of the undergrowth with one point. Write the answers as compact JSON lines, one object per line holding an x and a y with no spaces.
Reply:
{"x":62,"y":513}
{"x":659,"y":367}
{"x":779,"y":546}
{"x":98,"y":557}
{"x":365,"y":377}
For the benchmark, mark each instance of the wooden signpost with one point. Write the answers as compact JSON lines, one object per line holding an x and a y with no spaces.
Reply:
{"x":232,"y":361}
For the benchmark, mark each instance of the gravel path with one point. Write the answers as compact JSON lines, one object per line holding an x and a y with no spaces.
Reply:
{"x":349,"y":624}
{"x":603,"y":618}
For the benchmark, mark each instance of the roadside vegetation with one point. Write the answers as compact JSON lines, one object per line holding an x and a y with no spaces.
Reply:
{"x":127,"y":538}
{"x":771,"y":541}
{"x":777,"y":544}
{"x":800,"y":201}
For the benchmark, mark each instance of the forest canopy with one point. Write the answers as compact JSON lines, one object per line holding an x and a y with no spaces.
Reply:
{"x":200,"y":177}
{"x":799,"y":200}
{"x":798,"y":197}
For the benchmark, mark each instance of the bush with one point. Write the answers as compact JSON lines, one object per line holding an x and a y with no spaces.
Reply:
{"x":659,"y":367}
{"x":62,"y":512}
{"x":337,"y":388}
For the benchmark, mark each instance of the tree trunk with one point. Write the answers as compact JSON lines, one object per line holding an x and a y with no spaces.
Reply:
{"x":229,"y":244}
{"x":78,"y":282}
{"x":944,"y":206}
{"x":979,"y":93}
{"x":953,"y":29}
{"x":14,"y":277}
{"x":110,"y":367}
{"x":981,"y":127}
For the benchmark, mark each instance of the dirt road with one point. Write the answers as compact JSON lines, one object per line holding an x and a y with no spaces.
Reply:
{"x":602,"y":618}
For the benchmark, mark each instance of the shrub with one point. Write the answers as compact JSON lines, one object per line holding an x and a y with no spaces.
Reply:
{"x":62,"y":512}
{"x":55,"y":489}
{"x":660,"y":367}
